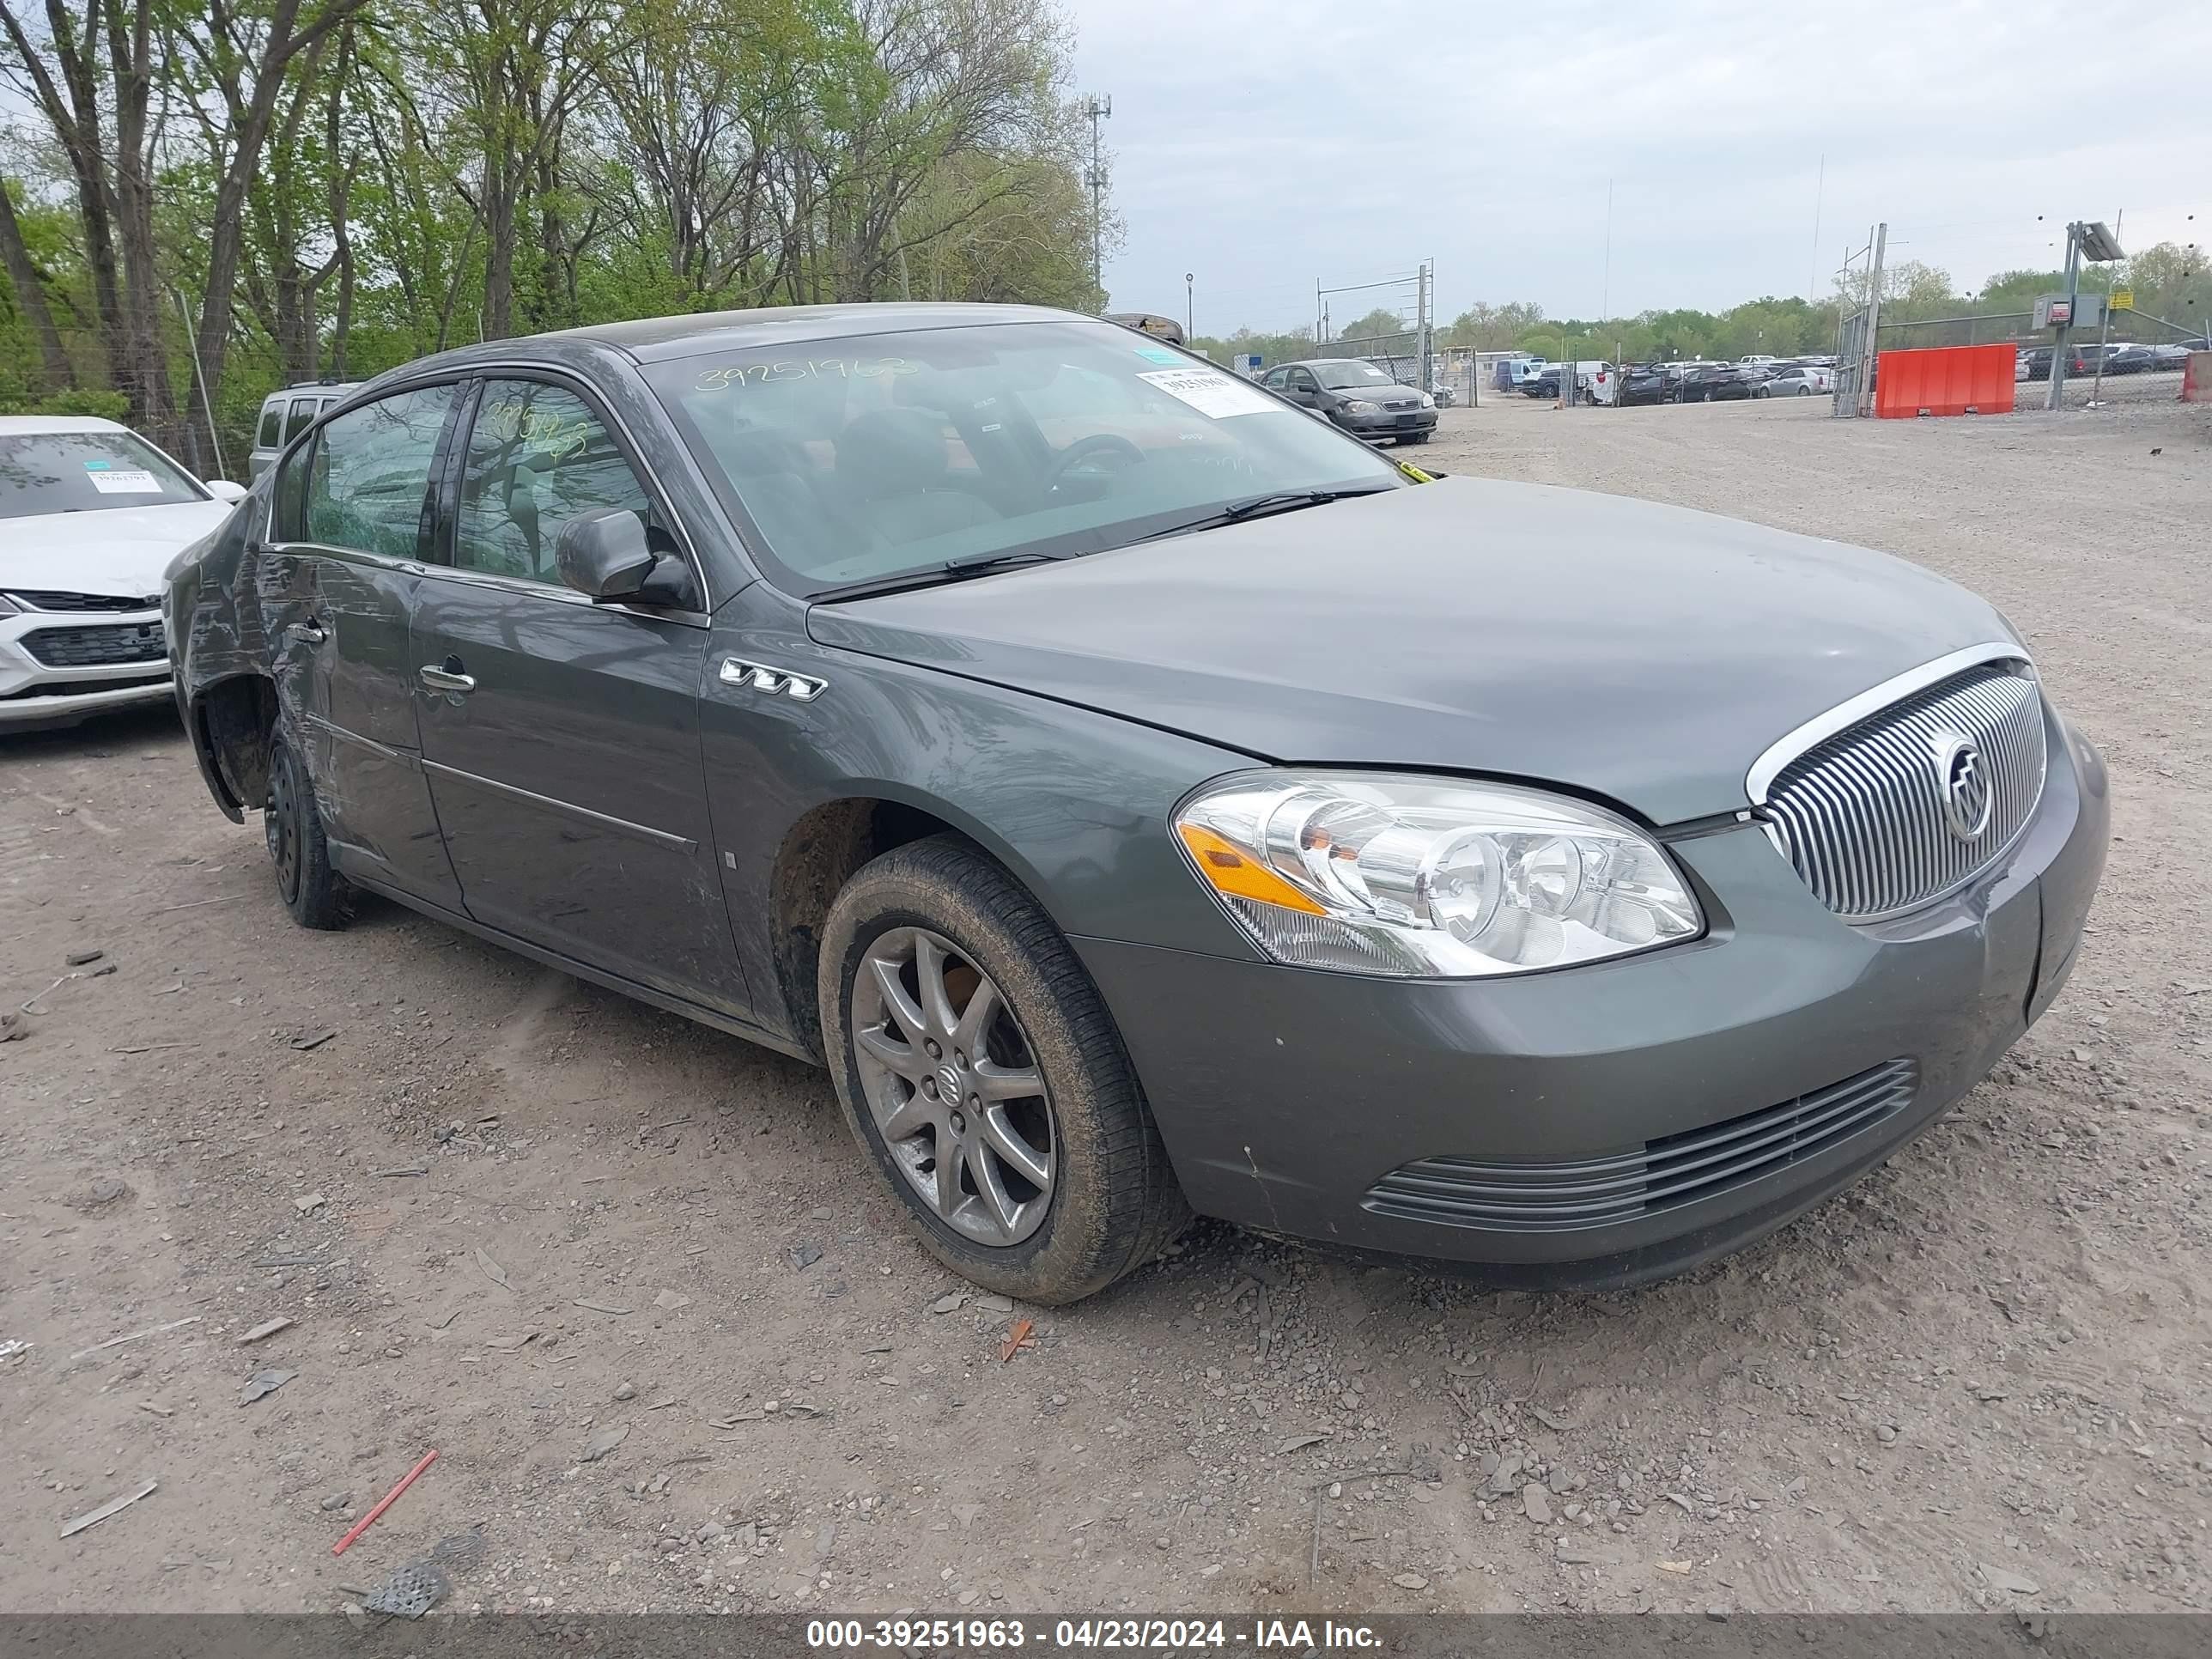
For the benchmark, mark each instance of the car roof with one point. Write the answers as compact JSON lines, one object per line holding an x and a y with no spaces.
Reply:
{"x":1328,"y":362}
{"x":662,"y":339}
{"x":652,"y":339}
{"x":309,"y":388}
{"x":32,"y":425}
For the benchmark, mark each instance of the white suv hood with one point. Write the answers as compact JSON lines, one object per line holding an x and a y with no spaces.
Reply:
{"x":120,"y":551}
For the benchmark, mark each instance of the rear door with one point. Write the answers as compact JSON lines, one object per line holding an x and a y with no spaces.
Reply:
{"x":562,"y":735}
{"x":349,"y":527}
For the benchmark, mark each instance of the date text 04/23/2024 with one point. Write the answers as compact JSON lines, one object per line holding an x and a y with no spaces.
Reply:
{"x":1085,"y":1635}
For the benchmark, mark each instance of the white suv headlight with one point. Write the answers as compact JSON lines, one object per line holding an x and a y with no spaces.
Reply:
{"x":1373,"y":872}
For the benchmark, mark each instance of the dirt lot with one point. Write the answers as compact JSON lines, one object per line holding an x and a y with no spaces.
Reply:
{"x":518,"y":1220}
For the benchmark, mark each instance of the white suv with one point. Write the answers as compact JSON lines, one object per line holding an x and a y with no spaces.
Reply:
{"x":90,"y":515}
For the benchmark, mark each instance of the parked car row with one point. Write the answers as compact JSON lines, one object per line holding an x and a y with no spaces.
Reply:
{"x":2119,"y":358}
{"x":1698,"y":382}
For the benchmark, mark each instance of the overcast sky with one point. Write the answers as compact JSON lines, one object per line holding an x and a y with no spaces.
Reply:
{"x":1262,"y":144}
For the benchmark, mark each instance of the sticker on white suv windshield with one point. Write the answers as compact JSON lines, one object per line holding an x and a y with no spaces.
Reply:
{"x":110,"y":479}
{"x":1212,"y":393}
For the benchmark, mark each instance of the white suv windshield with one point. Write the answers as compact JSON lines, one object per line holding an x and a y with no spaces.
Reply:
{"x":45,"y":472}
{"x":877,"y":455}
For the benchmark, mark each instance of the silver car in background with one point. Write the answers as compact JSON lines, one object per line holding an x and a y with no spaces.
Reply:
{"x":1799,"y":380}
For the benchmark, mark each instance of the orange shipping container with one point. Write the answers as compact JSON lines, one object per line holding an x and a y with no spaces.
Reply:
{"x":1946,"y":381}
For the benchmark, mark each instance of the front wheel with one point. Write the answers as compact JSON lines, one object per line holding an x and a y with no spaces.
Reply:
{"x":1414,"y":437}
{"x":316,"y":895}
{"x":981,"y":1074}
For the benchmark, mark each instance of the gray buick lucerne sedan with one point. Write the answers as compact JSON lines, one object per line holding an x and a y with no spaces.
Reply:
{"x":1144,"y":798}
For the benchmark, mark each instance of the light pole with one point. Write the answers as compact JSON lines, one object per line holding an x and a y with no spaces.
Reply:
{"x":1187,"y":313}
{"x":1098,"y":109}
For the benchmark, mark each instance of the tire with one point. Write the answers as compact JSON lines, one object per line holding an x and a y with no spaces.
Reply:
{"x":315,"y":894}
{"x":1414,"y":437}
{"x":1804,"y":390}
{"x":1112,"y":1201}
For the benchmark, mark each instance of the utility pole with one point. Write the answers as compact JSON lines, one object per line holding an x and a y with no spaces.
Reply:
{"x":2104,"y":327}
{"x":1098,"y":109}
{"x":1189,"y":307}
{"x":1421,"y":321}
{"x":2066,"y":330}
{"x":1870,"y":351}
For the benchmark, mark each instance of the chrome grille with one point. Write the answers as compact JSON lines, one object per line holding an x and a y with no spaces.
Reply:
{"x":1861,"y":815}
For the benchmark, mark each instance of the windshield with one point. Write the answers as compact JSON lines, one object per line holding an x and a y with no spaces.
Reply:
{"x":859,"y":458}
{"x":83,"y":472}
{"x":1336,"y":376}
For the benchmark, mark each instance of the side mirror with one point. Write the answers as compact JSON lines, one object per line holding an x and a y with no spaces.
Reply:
{"x":604,"y":552}
{"x":224,"y":490}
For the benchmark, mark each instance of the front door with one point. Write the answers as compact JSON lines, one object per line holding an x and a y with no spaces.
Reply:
{"x":347,"y":531}
{"x":561,"y":736}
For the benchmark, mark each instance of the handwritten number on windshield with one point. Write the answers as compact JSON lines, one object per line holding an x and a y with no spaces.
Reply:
{"x":843,"y":368}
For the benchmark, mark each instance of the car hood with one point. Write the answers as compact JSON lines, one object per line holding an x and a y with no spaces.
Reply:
{"x":1641,"y":653}
{"x":1376,"y":393}
{"x":112,"y":550}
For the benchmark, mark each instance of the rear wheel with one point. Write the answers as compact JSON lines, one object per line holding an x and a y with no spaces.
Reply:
{"x":981,"y":1074}
{"x":316,"y":895}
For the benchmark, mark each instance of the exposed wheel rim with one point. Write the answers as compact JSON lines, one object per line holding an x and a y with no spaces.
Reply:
{"x":953,"y":1086}
{"x":281,"y":823}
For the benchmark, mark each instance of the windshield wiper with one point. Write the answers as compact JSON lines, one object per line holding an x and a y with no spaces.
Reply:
{"x":952,"y":570}
{"x":1258,"y":507}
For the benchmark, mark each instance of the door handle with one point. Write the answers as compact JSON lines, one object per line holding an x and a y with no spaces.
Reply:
{"x":307,"y":632}
{"x":440,"y":678}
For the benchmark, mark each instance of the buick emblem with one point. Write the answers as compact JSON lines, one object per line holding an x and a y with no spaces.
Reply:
{"x":1963,"y":782}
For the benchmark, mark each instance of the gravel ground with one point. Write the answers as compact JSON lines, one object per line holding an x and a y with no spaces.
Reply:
{"x":572,"y":1244}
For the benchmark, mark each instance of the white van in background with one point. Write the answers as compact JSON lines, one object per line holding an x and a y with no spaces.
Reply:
{"x":285,"y":414}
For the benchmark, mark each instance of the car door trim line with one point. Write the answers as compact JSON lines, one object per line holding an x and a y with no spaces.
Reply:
{"x":606,"y":821}
{"x":382,"y":751}
{"x":525,"y":586}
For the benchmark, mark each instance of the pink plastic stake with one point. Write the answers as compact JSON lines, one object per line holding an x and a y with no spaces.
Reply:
{"x":385,"y":1502}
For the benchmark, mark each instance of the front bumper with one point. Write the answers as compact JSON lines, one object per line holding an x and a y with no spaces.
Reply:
{"x":1284,"y":1096}
{"x":88,"y":662}
{"x":1387,"y":425}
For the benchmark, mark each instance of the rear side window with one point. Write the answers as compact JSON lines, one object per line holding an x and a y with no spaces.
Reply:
{"x":538,"y":456}
{"x":368,"y":481}
{"x":272,"y":426}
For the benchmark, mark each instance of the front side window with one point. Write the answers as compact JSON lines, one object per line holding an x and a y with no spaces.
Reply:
{"x":368,"y":479}
{"x":86,"y":473}
{"x":874,"y":456}
{"x":538,"y":456}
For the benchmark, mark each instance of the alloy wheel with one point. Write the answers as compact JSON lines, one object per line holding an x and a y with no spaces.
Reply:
{"x":953,"y":1086}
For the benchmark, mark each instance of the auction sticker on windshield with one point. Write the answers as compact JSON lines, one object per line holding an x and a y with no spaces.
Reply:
{"x":110,"y":479}
{"x":1211,"y":394}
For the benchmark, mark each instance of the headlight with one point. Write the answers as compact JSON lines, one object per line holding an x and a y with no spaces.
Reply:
{"x":1361,"y":407}
{"x":1427,"y":402}
{"x":1373,"y":873}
